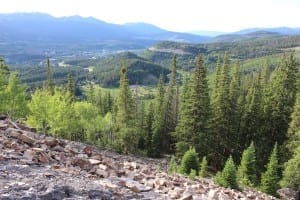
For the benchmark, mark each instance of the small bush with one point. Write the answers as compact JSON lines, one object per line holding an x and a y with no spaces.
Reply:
{"x":193,"y":174}
{"x":203,"y":170}
{"x":291,"y":173}
{"x":270,"y":179}
{"x":189,"y":161}
{"x":228,"y":177}
{"x":247,"y":169}
{"x":172,"y":166}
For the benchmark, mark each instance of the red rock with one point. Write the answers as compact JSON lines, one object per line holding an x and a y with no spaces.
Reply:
{"x":130,"y":165}
{"x":88,"y":150}
{"x":43,"y":157}
{"x":3,"y":126}
{"x":13,"y":132}
{"x":138,"y":177}
{"x":94,"y":162}
{"x":56,"y":166}
{"x":49,"y":175}
{"x":102,"y":173}
{"x":62,"y":157}
{"x":187,"y":197}
{"x":58,"y":148}
{"x":51,"y":142}
{"x":134,"y":189}
{"x":7,"y":143}
{"x":26,"y":139}
{"x":121,"y":172}
{"x":29,"y":154}
{"x":37,"y":149}
{"x":212,"y":195}
{"x":82,"y":163}
{"x":113,"y":173}
{"x":150,"y":183}
{"x":103,"y":167}
{"x":14,"y":146}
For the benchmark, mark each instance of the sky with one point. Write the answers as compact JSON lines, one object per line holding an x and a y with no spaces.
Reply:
{"x":174,"y":15}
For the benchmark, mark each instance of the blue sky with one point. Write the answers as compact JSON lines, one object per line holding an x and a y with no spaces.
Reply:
{"x":175,"y":15}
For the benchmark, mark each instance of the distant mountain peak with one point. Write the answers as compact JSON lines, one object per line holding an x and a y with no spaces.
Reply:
{"x":33,"y":26}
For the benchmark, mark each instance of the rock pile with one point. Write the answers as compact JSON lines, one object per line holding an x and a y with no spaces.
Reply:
{"x":34,"y":166}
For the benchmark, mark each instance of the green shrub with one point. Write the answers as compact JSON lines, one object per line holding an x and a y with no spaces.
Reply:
{"x":203,"y":170}
{"x":189,"y":161}
{"x":192,"y":174}
{"x":247,"y":169}
{"x":270,"y":179}
{"x":228,"y":177}
{"x":219,"y":179}
{"x":172,"y":166}
{"x":291,"y":173}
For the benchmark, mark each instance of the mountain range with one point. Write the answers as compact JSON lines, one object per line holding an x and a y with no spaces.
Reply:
{"x":45,"y":28}
{"x":30,"y":37}
{"x":42,"y":27}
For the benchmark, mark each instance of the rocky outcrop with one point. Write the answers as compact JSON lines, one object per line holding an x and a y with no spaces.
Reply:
{"x":34,"y":166}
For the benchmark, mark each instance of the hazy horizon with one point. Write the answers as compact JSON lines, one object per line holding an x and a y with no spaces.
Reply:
{"x":181,"y":16}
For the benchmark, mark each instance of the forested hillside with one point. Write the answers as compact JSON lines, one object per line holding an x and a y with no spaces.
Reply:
{"x":145,"y":66}
{"x":106,"y":71}
{"x":244,"y":123}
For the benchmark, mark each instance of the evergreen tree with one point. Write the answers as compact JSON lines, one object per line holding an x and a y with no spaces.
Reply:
{"x":221,"y":137}
{"x":170,"y":114}
{"x":125,"y":116}
{"x":216,"y":81}
{"x":270,"y":179}
{"x":4,"y":74}
{"x":184,"y":94}
{"x":172,"y":169}
{"x":91,"y":94}
{"x":252,"y":117}
{"x":98,"y":100}
{"x":49,"y":82}
{"x":203,"y":170}
{"x":71,"y":85}
{"x":291,"y":173}
{"x":193,"y":124}
{"x":108,"y":102}
{"x":235,"y":108}
{"x":190,"y":161}
{"x":228,"y":177}
{"x":279,"y":106}
{"x":149,"y":129}
{"x":294,"y":127}
{"x":141,"y":123}
{"x":247,"y":169}
{"x":266,"y":73}
{"x":158,"y":120}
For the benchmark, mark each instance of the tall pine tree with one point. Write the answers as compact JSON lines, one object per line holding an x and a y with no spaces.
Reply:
{"x":158,"y":120}
{"x":192,"y":129}
{"x":278,"y":107}
{"x":71,"y":85}
{"x":49,"y":81}
{"x":170,"y":112}
{"x":294,"y":127}
{"x":125,"y":116}
{"x":270,"y":179}
{"x":220,"y":125}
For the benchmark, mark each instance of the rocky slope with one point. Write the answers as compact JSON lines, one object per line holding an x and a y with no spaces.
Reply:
{"x":34,"y":166}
